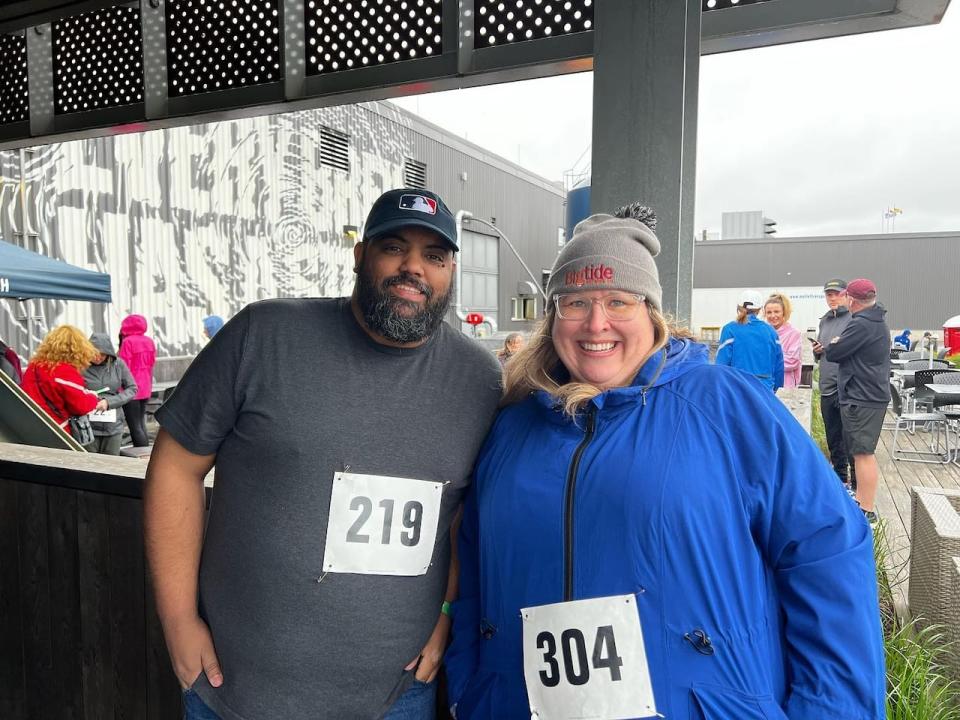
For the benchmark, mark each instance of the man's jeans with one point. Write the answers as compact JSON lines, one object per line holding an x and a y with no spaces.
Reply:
{"x":419,"y":702}
{"x":196,"y":709}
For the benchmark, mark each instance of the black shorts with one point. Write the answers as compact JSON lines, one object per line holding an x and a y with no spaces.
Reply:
{"x":861,"y":428}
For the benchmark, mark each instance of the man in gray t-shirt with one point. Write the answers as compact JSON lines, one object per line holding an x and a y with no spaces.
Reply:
{"x":344,"y":433}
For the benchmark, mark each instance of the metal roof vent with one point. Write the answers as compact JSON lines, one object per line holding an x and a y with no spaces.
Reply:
{"x":334,"y":149}
{"x":414,"y":174}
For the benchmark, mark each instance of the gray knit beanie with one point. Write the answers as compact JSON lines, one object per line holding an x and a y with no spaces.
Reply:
{"x":611,"y":252}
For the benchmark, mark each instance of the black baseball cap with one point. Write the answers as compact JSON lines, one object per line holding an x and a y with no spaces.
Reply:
{"x":836,"y":285}
{"x":397,"y":209}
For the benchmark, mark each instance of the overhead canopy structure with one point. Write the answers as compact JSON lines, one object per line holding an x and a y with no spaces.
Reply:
{"x":25,"y":274}
{"x":80,"y":68}
{"x":74,"y":68}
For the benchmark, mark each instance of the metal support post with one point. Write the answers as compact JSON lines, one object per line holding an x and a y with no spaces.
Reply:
{"x":645,"y":88}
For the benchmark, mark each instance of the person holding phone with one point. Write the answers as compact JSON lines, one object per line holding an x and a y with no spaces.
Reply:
{"x":832,"y":324}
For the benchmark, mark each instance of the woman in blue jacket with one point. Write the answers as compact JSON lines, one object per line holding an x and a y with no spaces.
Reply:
{"x":751,"y":345}
{"x":651,"y":535}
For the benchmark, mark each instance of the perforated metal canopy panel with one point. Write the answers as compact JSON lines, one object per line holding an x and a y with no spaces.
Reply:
{"x":349,"y":34}
{"x":721,"y":4}
{"x":97,"y":60}
{"x":502,"y":22}
{"x":14,"y":104}
{"x":222,"y":44}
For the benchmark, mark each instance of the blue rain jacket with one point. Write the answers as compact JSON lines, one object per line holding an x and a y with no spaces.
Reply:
{"x":753,"y":347}
{"x":700,"y":494}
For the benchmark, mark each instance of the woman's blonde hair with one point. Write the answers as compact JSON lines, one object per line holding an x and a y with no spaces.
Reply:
{"x":65,"y":344}
{"x":537,"y":365}
{"x":781,"y":299}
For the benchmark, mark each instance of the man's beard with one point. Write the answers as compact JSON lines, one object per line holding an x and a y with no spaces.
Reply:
{"x":384,"y":313}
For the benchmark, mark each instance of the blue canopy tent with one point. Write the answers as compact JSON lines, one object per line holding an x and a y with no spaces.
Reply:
{"x":25,"y":274}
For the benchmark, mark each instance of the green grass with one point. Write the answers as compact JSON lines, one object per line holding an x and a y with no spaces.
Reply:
{"x":918,"y":683}
{"x":817,"y":431}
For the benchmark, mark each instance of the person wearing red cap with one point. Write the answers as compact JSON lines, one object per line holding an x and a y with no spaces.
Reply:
{"x":862,"y":352}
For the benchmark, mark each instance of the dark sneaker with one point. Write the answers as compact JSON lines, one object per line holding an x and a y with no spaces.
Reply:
{"x":871,"y":516}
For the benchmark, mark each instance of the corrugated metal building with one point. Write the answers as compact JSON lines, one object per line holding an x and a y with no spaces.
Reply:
{"x":203,"y":220}
{"x":917,"y":274}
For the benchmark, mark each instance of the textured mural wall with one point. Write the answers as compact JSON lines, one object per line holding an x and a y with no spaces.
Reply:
{"x":200,"y":220}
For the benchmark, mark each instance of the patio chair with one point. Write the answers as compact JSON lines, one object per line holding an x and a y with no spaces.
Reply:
{"x":914,"y":365}
{"x":910,"y":355}
{"x":906,"y":420}
{"x":922,"y":378}
{"x":949,"y":405}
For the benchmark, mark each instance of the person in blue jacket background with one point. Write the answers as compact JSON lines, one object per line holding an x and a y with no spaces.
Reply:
{"x":649,"y":534}
{"x":751,"y":345}
{"x":903,"y":339}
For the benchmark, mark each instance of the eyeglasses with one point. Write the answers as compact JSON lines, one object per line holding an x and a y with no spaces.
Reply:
{"x":615,"y":306}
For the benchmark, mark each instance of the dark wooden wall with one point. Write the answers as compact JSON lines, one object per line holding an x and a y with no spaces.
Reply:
{"x":79,"y":638}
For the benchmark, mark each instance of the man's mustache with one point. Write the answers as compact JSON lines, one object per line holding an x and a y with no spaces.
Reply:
{"x":408,"y":279}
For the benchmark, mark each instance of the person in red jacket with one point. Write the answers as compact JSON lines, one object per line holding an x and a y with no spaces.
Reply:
{"x":53,"y":381}
{"x":140,"y":355}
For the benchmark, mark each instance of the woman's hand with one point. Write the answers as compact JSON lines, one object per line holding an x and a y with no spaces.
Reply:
{"x":102,"y":405}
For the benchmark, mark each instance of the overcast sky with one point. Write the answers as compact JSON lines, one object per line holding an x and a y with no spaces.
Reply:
{"x":821,"y":136}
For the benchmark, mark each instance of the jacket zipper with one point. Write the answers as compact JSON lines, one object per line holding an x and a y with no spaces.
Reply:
{"x":568,"y":519}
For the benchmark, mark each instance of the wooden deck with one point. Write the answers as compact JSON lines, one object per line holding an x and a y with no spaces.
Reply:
{"x":893,"y":498}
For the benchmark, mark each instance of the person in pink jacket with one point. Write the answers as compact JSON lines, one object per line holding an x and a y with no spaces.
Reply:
{"x":140,"y":355}
{"x":777,"y":311}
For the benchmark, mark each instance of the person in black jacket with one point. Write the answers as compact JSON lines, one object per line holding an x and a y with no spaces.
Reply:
{"x":862,"y":351}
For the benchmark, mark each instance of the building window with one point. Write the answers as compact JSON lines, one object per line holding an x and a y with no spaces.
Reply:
{"x":414,"y":174}
{"x":709,"y":335}
{"x":334,"y":149}
{"x":524,"y":308}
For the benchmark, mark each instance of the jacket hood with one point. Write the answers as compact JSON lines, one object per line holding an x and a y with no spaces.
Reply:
{"x":102,"y":342}
{"x":873,"y":314}
{"x":676,"y":358}
{"x":133,"y":325}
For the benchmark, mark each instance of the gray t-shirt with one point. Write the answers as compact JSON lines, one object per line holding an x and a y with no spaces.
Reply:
{"x":287,"y":394}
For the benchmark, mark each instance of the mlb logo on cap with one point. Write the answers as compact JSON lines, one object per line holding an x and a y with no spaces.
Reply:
{"x":420,"y":203}
{"x":410,"y":207}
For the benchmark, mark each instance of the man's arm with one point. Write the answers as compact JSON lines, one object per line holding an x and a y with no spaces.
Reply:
{"x":431,"y":655}
{"x":173,"y":502}
{"x":853,"y":337}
